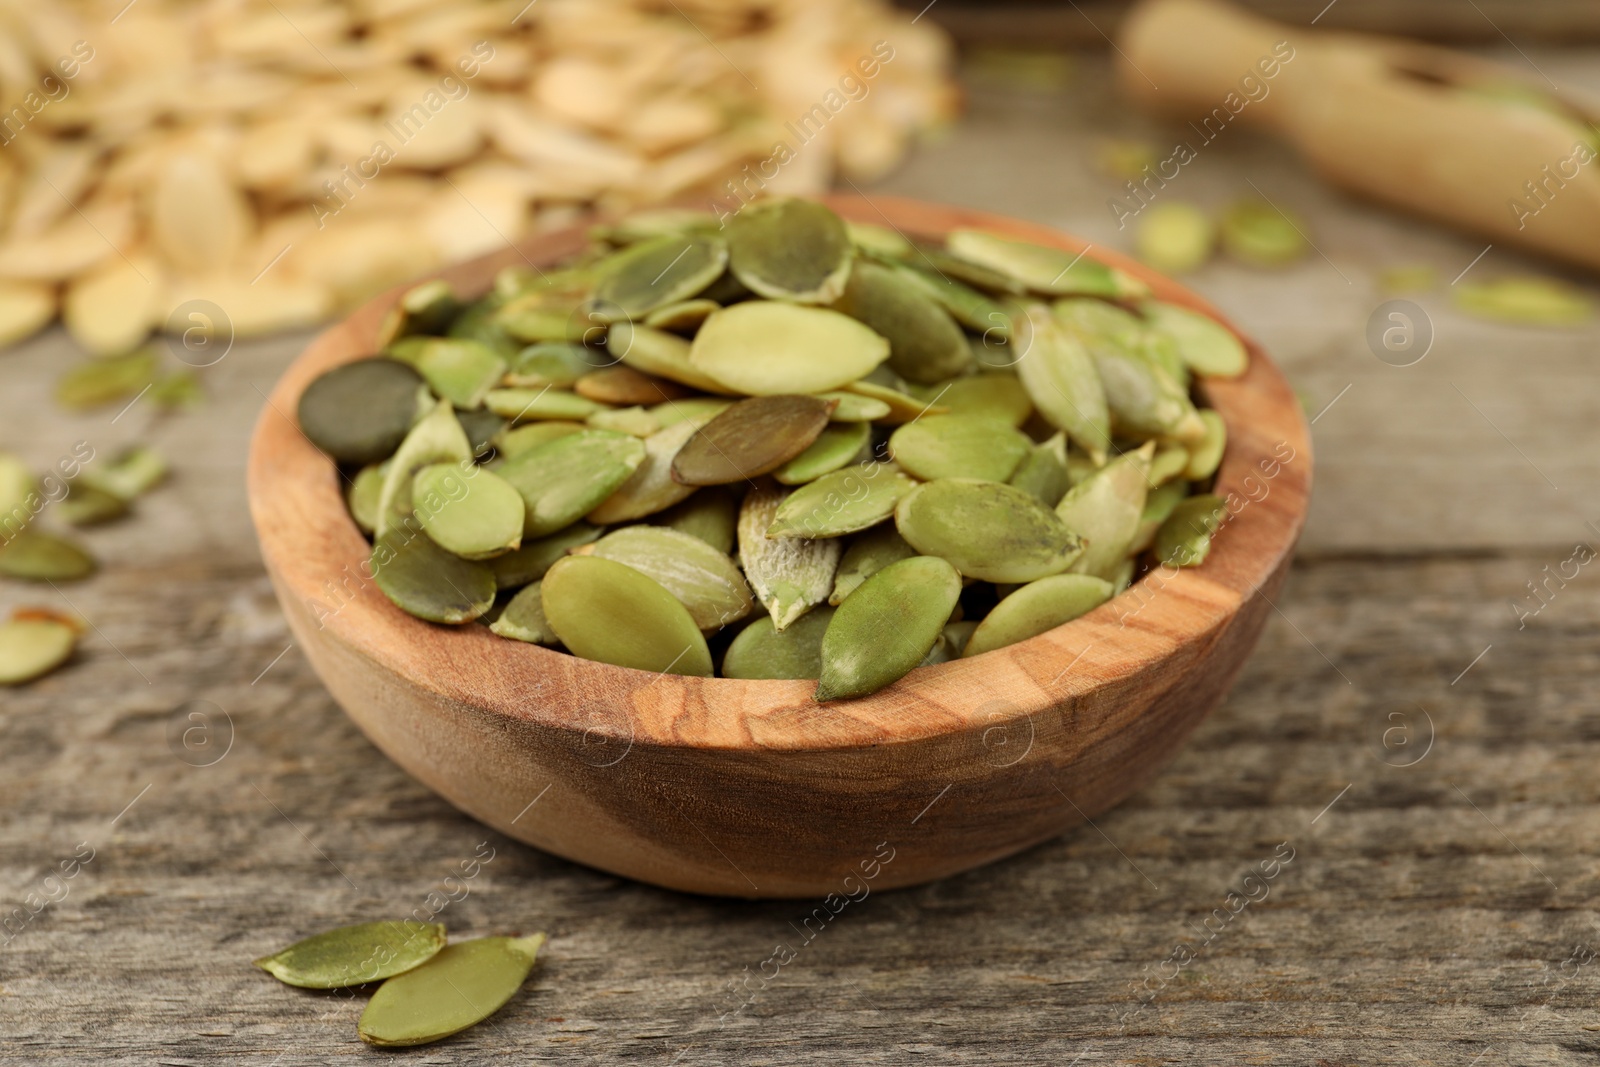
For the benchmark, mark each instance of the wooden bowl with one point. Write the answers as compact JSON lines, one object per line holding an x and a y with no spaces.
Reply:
{"x":750,"y":788}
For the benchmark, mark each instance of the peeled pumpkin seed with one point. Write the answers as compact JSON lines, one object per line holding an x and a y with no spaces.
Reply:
{"x":552,"y":309}
{"x":987,"y":530}
{"x":611,"y":613}
{"x":986,"y":279}
{"x":32,"y":647}
{"x":1104,"y":509}
{"x":626,"y":387}
{"x":838,"y":444}
{"x":941,"y":652}
{"x":1206,"y":456}
{"x":1184,"y":539}
{"x":902,"y":406}
{"x":1158,"y":504}
{"x":751,"y":438}
{"x":656,"y":272}
{"x":530,"y":562}
{"x":794,"y":250}
{"x":475,"y":517}
{"x":879,"y":240}
{"x":1061,"y":379}
{"x":89,"y":505}
{"x":516,"y":440}
{"x":849,"y":407}
{"x":16,"y":486}
{"x":682,"y":317}
{"x":563,"y":480}
{"x":41,"y":557}
{"x":460,"y":371}
{"x":1529,"y":301}
{"x":697,"y":409}
{"x":868,"y":554}
{"x":761,"y":651}
{"x":523,"y":619}
{"x":1255,"y":232}
{"x":962,"y":302}
{"x":1142,"y":398}
{"x":1169,"y":461}
{"x":765,"y":348}
{"x":1174,"y":237}
{"x":461,"y":986}
{"x":363,"y":496}
{"x":790,"y":575}
{"x":959,"y":446}
{"x":886,"y":627}
{"x":925,"y":344}
{"x":424,"y":580}
{"x":476,"y":322}
{"x":1043,"y":471}
{"x":711,"y":514}
{"x":634,"y":421}
{"x":841,"y":502}
{"x":481,"y":428}
{"x":657,"y":352}
{"x":1044,"y":270}
{"x":130,"y":473}
{"x":657,"y":222}
{"x":1204,"y":344}
{"x":957,"y":635}
{"x":105,"y":381}
{"x":704,"y":580}
{"x":437,"y":438}
{"x":355,"y":955}
{"x":998,"y":396}
{"x":528,"y":405}
{"x":651,"y":487}
{"x":1123,"y":577}
{"x":1036,"y":607}
{"x":557,"y":363}
{"x":360,"y":412}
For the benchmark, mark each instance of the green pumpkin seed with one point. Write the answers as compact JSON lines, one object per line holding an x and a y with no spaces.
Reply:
{"x":32,"y":647}
{"x":463,"y":985}
{"x":764,"y":348}
{"x":626,"y":387}
{"x":555,"y":308}
{"x":697,"y":409}
{"x":364,"y":496}
{"x":424,"y":580}
{"x":611,"y":613}
{"x":879,"y":240}
{"x":130,"y":474}
{"x":481,"y":428}
{"x":1098,"y":319}
{"x":790,"y":575}
{"x":1158,"y":504}
{"x":1044,"y":270}
{"x":999,"y":396}
{"x":1203,"y":343}
{"x":761,"y":651}
{"x":476,"y":322}
{"x":987,"y":530}
{"x":1206,"y":456}
{"x":962,"y":302}
{"x":957,"y":635}
{"x":1061,"y":379}
{"x":902,"y":406}
{"x":634,"y":421}
{"x":711,"y":514}
{"x":530,"y":562}
{"x":1043,"y":471}
{"x":1184,"y":539}
{"x":513,"y":442}
{"x":16,"y":487}
{"x":472,"y":513}
{"x":704,"y":580}
{"x":437,"y":438}
{"x":1255,"y":232}
{"x":1142,"y":398}
{"x":643,"y":225}
{"x":795,"y":250}
{"x":849,"y":407}
{"x":925,"y":344}
{"x":41,"y":557}
{"x":106,"y":381}
{"x":868,"y":554}
{"x":1036,"y":607}
{"x":959,"y":446}
{"x":1528,"y":301}
{"x":651,"y":487}
{"x":1104,"y":509}
{"x":841,"y":502}
{"x":751,"y":438}
{"x":428,"y":308}
{"x":656,"y":272}
{"x":948,"y":265}
{"x":179,"y":391}
{"x":87,"y":504}
{"x":529,"y":405}
{"x":659,"y":353}
{"x":941,"y":652}
{"x":838,"y":444}
{"x":1169,"y":461}
{"x":726,"y":290}
{"x":563,"y":480}
{"x":557,"y":363}
{"x":523,"y":619}
{"x":1174,"y":237}
{"x":683,"y":317}
{"x":360,"y":412}
{"x":460,"y":371}
{"x":1123,"y":576}
{"x":355,"y":955}
{"x":886,"y":627}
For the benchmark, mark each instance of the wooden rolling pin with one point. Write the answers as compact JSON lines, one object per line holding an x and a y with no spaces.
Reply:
{"x":1466,"y":141}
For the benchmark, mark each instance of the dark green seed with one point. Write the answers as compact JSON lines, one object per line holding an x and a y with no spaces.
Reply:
{"x":360,"y":412}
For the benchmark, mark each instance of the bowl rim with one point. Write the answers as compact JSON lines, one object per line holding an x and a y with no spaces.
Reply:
{"x":313,"y":550}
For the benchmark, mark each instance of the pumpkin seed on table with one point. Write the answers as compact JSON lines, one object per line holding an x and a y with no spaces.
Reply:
{"x":1001,"y":396}
{"x":106,"y":381}
{"x":868,"y":554}
{"x":1184,"y":539}
{"x":557,"y":363}
{"x":1206,"y":456}
{"x":886,"y":627}
{"x":529,"y":405}
{"x":751,"y":438}
{"x":1174,"y":237}
{"x":662,"y":354}
{"x":1528,"y":301}
{"x":1255,"y":232}
{"x":611,"y":613}
{"x":563,"y":480}
{"x":41,"y":557}
{"x":16,"y":486}
{"x":682,"y":317}
{"x":1044,"y":270}
{"x":130,"y":473}
{"x":762,"y":651}
{"x":1105,"y":509}
{"x":437,"y":438}
{"x":457,"y":370}
{"x":988,"y":530}
{"x":515,"y":440}
{"x":839,"y":444}
{"x":794,"y":250}
{"x":710,"y":514}
{"x":523,"y":618}
{"x":1062,"y":381}
{"x":841,"y":502}
{"x":474,"y":516}
{"x":461,"y":986}
{"x":89,"y":505}
{"x":530,"y":562}
{"x":1043,"y":471}
{"x":33,"y":646}
{"x":1036,"y":607}
{"x":361,"y":411}
{"x":625,"y":387}
{"x":925,"y":344}
{"x":765,"y":348}
{"x":355,"y":955}
{"x":959,"y":446}
{"x":656,"y":272}
{"x":703,"y":579}
{"x":790,"y":575}
{"x":1207,"y":346}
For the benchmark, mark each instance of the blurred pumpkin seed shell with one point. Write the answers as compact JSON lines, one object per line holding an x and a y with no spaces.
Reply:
{"x":987,"y":530}
{"x":790,"y":575}
{"x":959,"y":446}
{"x":563,"y":480}
{"x":361,"y":411}
{"x":1054,"y":271}
{"x":838,"y":444}
{"x":682,"y":317}
{"x":355,"y":955}
{"x":557,"y":363}
{"x":1058,"y":372}
{"x":794,"y":250}
{"x":766,"y":348}
{"x":657,"y":352}
{"x":364,"y":494}
{"x":1043,"y":471}
{"x":105,"y":381}
{"x":626,"y":387}
{"x":611,"y":613}
{"x":462,"y":985}
{"x":530,"y":405}
{"x":523,"y":619}
{"x":530,"y":562}
{"x":656,"y":272}
{"x":512,"y":442}
{"x":849,"y":407}
{"x":437,"y":438}
{"x":1174,"y":237}
{"x":1036,"y":607}
{"x":704,"y":580}
{"x":41,"y":557}
{"x":460,"y":371}
{"x":711,"y":514}
{"x":999,"y":396}
{"x":868,"y":554}
{"x":885,"y":628}
{"x":1184,"y":539}
{"x":472,"y":513}
{"x":1104,"y":509}
{"x":424,"y":580}
{"x":751,"y":438}
{"x":1257,"y":233}
{"x":1206,"y":456}
{"x":31,"y":648}
{"x":1203,"y":343}
{"x":841,"y":502}
{"x":925,"y":344}
{"x":651,"y":487}
{"x":903,"y":407}
{"x":761,"y":651}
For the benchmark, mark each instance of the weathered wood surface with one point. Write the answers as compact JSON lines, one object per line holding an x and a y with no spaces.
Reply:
{"x":1437,"y":913}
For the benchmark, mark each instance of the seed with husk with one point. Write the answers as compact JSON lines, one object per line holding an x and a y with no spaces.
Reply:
{"x":879,"y":240}
{"x":32,"y":647}
{"x":41,"y":557}
{"x":355,"y":955}
{"x":1044,"y":270}
{"x":790,"y":575}
{"x":1105,"y":508}
{"x":761,"y":651}
{"x":363,"y":496}
{"x":1204,"y":344}
{"x":89,"y":505}
{"x":634,"y":421}
{"x":1043,"y":471}
{"x":1000,"y":396}
{"x":766,"y":348}
{"x":1036,"y":607}
{"x":563,"y":480}
{"x":1529,"y":301}
{"x":851,"y":407}
{"x":1184,"y":540}
{"x":611,"y":613}
{"x":1206,"y":456}
{"x":902,"y":406}
{"x":965,"y":304}
{"x":530,"y":405}
{"x":523,"y":619}
{"x":424,"y":580}
{"x":704,"y":580}
{"x":868,"y":554}
{"x":750,"y":438}
{"x":657,"y":352}
{"x":1256,"y":232}
{"x":461,"y":371}
{"x":656,"y":272}
{"x":626,"y":387}
{"x":1061,"y":379}
{"x":105,"y":381}
{"x":683,"y":317}
{"x":557,"y":363}
{"x":463,"y":985}
{"x":651,"y":487}
{"x":516,"y":440}
{"x":471,"y":512}
{"x":841,"y":502}
{"x":959,"y":446}
{"x":838,"y":444}
{"x":794,"y":250}
{"x":711,"y":514}
{"x":360,"y":412}
{"x":437,"y":438}
{"x":1158,"y":504}
{"x":1174,"y":237}
{"x":988,"y":530}
{"x":530,"y":562}
{"x":887,"y":626}
{"x":925,"y":344}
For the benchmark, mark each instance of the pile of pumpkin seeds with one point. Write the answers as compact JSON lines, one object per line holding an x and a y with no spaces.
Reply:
{"x":783,"y":447}
{"x":430,"y":989}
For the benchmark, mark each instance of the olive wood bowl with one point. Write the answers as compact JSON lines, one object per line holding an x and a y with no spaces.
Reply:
{"x":751,"y":788}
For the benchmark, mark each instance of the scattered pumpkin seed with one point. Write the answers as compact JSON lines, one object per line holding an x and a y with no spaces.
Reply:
{"x":1104,"y":509}
{"x":563,"y":480}
{"x":361,"y":411}
{"x":766,"y":348}
{"x":130,"y":473}
{"x":458,"y":370}
{"x":682,"y":317}
{"x":461,"y":986}
{"x":106,"y":381}
{"x":611,"y":613}
{"x":528,"y":405}
{"x":16,"y":488}
{"x":959,"y":446}
{"x":178,"y":391}
{"x":790,"y":575}
{"x":710,"y":514}
{"x":1204,"y":344}
{"x":662,"y":354}
{"x":1257,"y":233}
{"x":475,"y":514}
{"x":1036,"y":607}
{"x":656,"y":272}
{"x":841,"y":502}
{"x":438,"y":438}
{"x":1175,"y":237}
{"x":41,"y":557}
{"x":761,"y":651}
{"x":515,"y":440}
{"x":868,"y":554}
{"x":530,"y":562}
{"x":1044,"y":270}
{"x":886,"y":627}
{"x":1043,"y":471}
{"x":1206,"y":456}
{"x":32,"y":647}
{"x":557,"y":363}
{"x":523,"y":618}
{"x":925,"y":344}
{"x":1184,"y":539}
{"x":704,"y":580}
{"x":987,"y":530}
{"x":751,"y":438}
{"x":355,"y":955}
{"x":1529,"y":301}
{"x":89,"y":505}
{"x":1056,"y":369}
{"x":426,"y":581}
{"x":838,"y":444}
{"x":795,"y":250}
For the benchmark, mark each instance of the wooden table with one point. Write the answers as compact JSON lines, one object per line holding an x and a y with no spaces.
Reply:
{"x":1428,"y":763}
